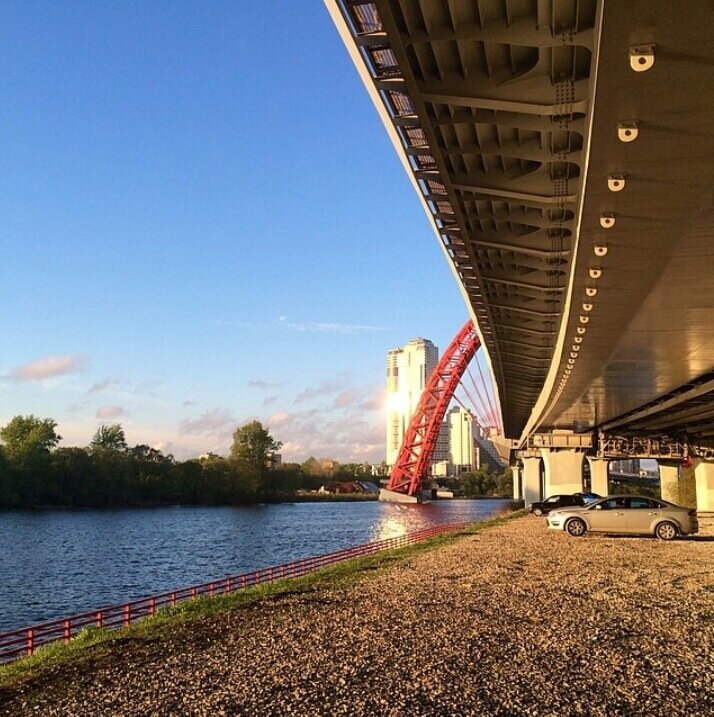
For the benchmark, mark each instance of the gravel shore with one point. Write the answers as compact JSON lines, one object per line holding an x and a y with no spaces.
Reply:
{"x":514,"y":620}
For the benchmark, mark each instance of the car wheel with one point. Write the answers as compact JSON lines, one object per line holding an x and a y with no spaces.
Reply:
{"x":666,"y":531}
{"x":538,"y":511}
{"x":576,"y":527}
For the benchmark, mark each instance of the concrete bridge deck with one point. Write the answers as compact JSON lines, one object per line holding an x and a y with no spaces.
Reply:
{"x":514,"y":620}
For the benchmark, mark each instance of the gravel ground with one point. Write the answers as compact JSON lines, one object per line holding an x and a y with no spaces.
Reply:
{"x":516,"y":620}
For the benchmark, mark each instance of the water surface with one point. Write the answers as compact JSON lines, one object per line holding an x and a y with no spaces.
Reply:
{"x":60,"y":562}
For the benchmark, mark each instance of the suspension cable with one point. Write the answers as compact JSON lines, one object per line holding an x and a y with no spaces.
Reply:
{"x":490,"y":418}
{"x":479,"y":414}
{"x":496,"y":414}
{"x":475,"y":418}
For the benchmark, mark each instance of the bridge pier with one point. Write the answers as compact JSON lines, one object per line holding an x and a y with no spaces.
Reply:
{"x":517,"y":489}
{"x":392,"y":496}
{"x":704,"y":476}
{"x":563,"y":470}
{"x":669,"y":480}
{"x":532,"y":492}
{"x":598,"y":475}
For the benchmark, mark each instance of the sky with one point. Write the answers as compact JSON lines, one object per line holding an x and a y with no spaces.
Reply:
{"x":203,"y":222}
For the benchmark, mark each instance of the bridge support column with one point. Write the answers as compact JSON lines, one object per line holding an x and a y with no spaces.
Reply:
{"x":704,"y":475}
{"x":563,"y":470}
{"x":531,"y":480}
{"x":598,"y":475}
{"x":517,"y":491}
{"x":669,"y":481}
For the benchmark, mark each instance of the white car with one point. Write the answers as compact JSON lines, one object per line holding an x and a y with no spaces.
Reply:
{"x":628,"y":514}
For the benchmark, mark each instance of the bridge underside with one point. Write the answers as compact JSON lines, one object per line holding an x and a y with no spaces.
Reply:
{"x":649,"y":342}
{"x":570,"y":192}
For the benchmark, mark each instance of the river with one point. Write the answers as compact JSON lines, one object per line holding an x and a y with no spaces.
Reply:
{"x":60,"y":562}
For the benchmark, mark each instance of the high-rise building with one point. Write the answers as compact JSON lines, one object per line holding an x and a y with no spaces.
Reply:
{"x":461,"y":439}
{"x":485,"y":453}
{"x":442,"y":449}
{"x":408,"y":370}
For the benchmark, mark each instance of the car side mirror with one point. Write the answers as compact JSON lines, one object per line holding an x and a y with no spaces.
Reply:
{"x":598,"y":507}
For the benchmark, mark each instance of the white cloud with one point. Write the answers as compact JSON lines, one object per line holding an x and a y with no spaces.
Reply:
{"x":50,"y":367}
{"x":374,"y":402}
{"x":78,"y":407}
{"x":215,"y":422}
{"x":127,"y":389}
{"x":259,"y":383}
{"x":147,"y":388}
{"x":80,"y":432}
{"x":104,"y":384}
{"x":165,"y":447}
{"x":110,"y":412}
{"x":346,"y":434}
{"x":326,"y":388}
{"x":345,"y":398}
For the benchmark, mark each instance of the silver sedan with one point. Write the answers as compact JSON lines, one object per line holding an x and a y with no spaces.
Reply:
{"x":630,"y":514}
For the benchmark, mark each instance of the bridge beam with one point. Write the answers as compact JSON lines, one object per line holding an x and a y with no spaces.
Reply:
{"x":704,"y":476}
{"x":563,"y":470}
{"x":598,"y":475}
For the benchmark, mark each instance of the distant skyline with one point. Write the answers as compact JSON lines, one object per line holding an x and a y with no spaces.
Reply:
{"x":204,"y":222}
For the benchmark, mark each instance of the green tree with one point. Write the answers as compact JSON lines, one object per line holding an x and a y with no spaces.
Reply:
{"x":478,"y":483}
{"x":504,"y":485}
{"x":8,"y":495}
{"x":28,"y":440}
{"x":219,"y":481}
{"x":73,"y":476}
{"x":252,"y":449}
{"x":325,"y":467}
{"x":109,"y":438}
{"x":253,"y":445}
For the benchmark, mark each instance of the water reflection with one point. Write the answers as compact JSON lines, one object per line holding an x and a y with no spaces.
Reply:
{"x":390,"y":528}
{"x":54,"y":563}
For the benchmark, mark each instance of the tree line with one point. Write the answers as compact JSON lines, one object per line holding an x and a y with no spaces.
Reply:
{"x":481,"y":483}
{"x":34,"y":471}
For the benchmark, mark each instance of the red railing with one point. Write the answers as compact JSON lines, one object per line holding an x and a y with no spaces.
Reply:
{"x":23,"y":642}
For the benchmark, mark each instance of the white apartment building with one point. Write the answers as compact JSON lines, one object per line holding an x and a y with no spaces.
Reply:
{"x":461,"y":439}
{"x":408,"y":370}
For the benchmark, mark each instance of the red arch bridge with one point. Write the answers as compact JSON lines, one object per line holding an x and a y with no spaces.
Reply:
{"x":415,"y":455}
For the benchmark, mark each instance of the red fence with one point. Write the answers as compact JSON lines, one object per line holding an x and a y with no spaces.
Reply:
{"x":19,"y":643}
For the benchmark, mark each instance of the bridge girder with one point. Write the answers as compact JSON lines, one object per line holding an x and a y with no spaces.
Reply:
{"x":513,"y":123}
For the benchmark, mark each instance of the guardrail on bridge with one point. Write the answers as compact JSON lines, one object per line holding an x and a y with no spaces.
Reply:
{"x":25,"y":641}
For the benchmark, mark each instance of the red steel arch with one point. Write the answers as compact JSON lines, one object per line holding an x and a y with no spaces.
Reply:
{"x":419,"y":442}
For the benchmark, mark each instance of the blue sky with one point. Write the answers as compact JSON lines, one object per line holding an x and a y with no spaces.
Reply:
{"x":203,"y":222}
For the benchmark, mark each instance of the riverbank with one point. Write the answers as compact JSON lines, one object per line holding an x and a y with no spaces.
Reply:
{"x":511,"y":620}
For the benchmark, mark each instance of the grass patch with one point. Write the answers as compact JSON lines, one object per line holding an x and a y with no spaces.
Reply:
{"x":103,"y":641}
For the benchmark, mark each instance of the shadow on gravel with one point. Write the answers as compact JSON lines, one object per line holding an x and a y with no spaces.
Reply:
{"x":697,"y":538}
{"x":680,"y":539}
